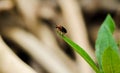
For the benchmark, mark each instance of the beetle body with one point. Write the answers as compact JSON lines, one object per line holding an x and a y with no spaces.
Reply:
{"x":61,"y":29}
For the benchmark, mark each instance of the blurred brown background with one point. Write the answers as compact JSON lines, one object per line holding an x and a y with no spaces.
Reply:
{"x":29,"y":42}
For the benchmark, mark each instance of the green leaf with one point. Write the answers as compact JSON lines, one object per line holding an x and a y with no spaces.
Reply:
{"x":81,"y":52}
{"x":105,"y":39}
{"x":110,"y":61}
